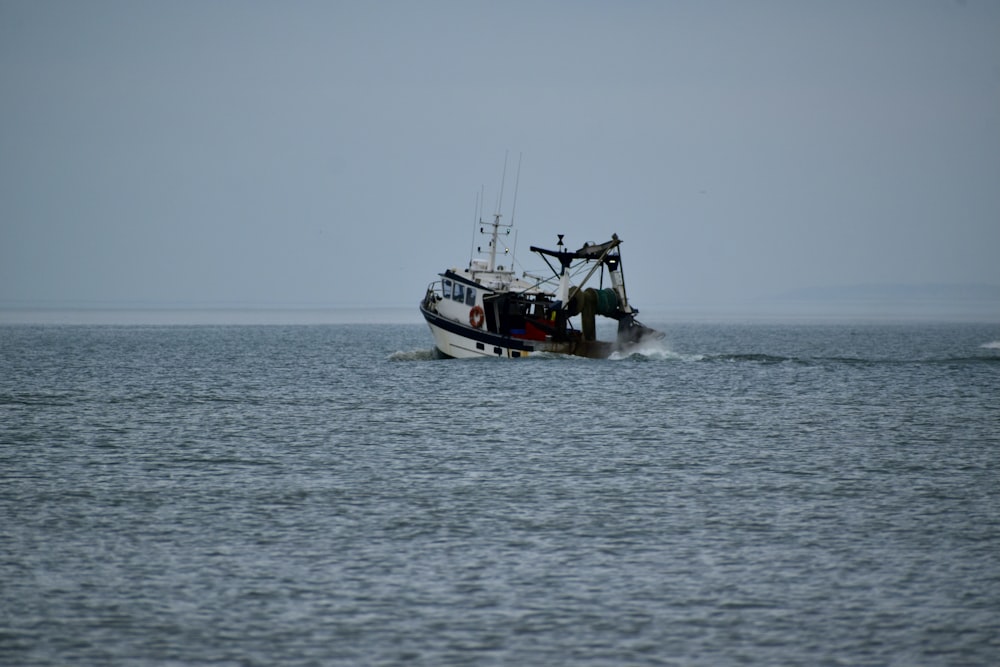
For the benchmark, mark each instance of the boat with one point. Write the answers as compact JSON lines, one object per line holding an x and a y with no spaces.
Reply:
{"x":485,"y":310}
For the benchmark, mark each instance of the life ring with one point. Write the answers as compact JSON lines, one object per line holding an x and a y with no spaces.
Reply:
{"x":477,"y":317}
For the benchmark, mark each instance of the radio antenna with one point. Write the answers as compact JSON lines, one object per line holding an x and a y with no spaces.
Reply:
{"x":517,"y":181}
{"x":476,"y":218}
{"x":503,"y":179}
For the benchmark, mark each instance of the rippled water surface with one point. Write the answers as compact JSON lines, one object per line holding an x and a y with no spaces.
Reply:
{"x":334,"y":495}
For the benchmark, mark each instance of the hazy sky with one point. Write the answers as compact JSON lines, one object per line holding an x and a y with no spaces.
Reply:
{"x":330,"y":153}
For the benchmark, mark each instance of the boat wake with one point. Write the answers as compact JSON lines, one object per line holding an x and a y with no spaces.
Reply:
{"x":652,"y":350}
{"x":415,"y":355}
{"x":753,"y":357}
{"x":659,"y":350}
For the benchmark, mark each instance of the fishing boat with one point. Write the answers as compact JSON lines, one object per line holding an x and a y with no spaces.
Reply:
{"x":485,"y":310}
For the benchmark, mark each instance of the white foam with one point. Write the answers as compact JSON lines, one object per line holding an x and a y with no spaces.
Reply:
{"x":413,"y":355}
{"x":653,"y":350}
{"x":993,"y":345}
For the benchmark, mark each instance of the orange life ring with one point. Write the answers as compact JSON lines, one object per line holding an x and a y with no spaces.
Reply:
{"x":477,"y":316}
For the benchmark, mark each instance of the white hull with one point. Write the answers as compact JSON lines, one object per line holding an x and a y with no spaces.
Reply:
{"x":472,"y":344}
{"x":460,"y":347}
{"x":453,"y":339}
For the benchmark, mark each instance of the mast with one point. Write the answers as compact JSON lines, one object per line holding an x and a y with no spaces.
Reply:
{"x":494,"y":233}
{"x":493,"y":241}
{"x":496,"y":216}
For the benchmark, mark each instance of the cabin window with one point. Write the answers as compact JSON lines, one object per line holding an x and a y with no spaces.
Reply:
{"x":446,"y":289}
{"x":470,"y":296}
{"x":459,"y":294}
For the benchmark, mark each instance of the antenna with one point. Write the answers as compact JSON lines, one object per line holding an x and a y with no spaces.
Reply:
{"x":503,"y":179}
{"x":475,"y":216}
{"x":513,"y":252}
{"x":517,"y":181}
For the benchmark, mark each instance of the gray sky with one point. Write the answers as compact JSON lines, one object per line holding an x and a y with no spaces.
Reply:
{"x":330,"y":153}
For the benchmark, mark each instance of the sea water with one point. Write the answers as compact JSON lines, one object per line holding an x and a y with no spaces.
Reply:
{"x":336,"y":495}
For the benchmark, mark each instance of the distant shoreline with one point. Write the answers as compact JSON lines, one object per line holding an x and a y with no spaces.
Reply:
{"x":751,"y":311}
{"x":209,"y":316}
